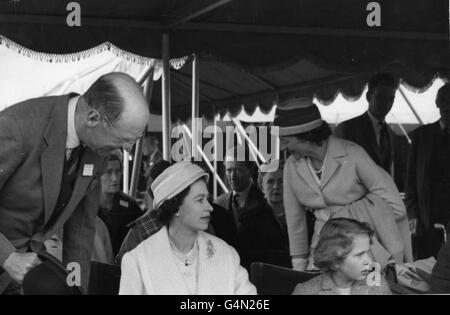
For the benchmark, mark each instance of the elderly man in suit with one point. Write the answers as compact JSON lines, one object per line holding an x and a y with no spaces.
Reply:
{"x":370,"y":130}
{"x":428,"y":180}
{"x":51,"y":149}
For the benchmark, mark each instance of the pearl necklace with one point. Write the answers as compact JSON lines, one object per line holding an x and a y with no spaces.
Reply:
{"x":308,"y":160}
{"x":188,"y":259}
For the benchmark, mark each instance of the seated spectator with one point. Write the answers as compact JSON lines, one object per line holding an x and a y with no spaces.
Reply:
{"x":117,"y":209}
{"x":146,"y":225}
{"x":342,"y":254}
{"x":181,"y":258}
{"x":258,"y":234}
{"x":271,"y":184}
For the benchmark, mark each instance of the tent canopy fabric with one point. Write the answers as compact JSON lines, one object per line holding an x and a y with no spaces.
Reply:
{"x":252,"y":52}
{"x":26,"y":74}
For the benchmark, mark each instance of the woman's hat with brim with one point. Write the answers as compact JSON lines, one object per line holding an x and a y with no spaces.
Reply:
{"x":174,"y":180}
{"x":297,"y":116}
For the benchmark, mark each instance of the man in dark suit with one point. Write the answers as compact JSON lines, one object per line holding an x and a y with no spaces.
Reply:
{"x":258,"y":236}
{"x":428,"y":179}
{"x":150,"y":156}
{"x":370,"y":129}
{"x":51,"y":150}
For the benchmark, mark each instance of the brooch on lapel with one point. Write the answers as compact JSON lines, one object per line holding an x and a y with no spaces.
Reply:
{"x":210,"y":249}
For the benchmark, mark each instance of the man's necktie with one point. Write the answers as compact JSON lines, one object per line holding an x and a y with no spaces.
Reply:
{"x":72,"y":162}
{"x":385,"y":147}
{"x":236,"y":202}
{"x":237,"y":211}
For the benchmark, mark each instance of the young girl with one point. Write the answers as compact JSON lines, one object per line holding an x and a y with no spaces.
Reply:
{"x":342,"y":254}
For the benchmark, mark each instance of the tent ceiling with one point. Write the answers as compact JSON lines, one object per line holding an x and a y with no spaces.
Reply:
{"x":251,"y":51}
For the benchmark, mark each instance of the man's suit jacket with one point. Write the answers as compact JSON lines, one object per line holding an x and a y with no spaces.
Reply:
{"x":418,"y":183}
{"x":360,"y":130}
{"x":32,"y":153}
{"x":259,"y":236}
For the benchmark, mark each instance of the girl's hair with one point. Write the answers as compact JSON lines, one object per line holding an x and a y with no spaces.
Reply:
{"x":167,"y":210}
{"x":336,"y":242}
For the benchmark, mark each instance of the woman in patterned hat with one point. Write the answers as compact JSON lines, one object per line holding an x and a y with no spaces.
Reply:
{"x":332,"y":177}
{"x":181,"y":258}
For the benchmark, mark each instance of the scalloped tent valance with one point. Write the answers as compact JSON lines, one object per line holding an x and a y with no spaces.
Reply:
{"x":27,"y":74}
{"x":252,"y":52}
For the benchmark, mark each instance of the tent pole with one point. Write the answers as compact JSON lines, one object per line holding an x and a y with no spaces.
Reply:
{"x":253,"y":148}
{"x":404,"y":132}
{"x":195,"y":107}
{"x":126,"y":171}
{"x":148,"y":89}
{"x":215,"y":191}
{"x":166,"y":98}
{"x":410,"y":105}
{"x":208,"y":163}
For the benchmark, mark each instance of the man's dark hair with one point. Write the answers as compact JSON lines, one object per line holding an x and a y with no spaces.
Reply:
{"x":104,"y":96}
{"x":235,"y":155}
{"x":114,"y":157}
{"x":111,"y":158}
{"x":317,"y":135}
{"x":383,"y":79}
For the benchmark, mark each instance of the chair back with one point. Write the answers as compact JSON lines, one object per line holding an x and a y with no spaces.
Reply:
{"x":104,"y":279}
{"x":274,"y":280}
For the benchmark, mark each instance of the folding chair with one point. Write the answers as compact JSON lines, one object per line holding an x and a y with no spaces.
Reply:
{"x":275,"y":280}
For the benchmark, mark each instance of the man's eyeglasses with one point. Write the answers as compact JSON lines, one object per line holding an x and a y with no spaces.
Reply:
{"x":126,"y":145}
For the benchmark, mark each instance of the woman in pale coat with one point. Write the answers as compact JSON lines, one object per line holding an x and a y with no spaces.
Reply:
{"x":181,"y":258}
{"x":331,"y":177}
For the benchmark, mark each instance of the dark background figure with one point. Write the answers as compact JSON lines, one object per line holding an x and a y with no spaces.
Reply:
{"x":271,"y":185}
{"x":440,"y":276}
{"x":117,"y":209}
{"x":371,"y":131}
{"x":50,"y":156}
{"x":150,"y":156}
{"x":258,"y":234}
{"x":428,"y":180}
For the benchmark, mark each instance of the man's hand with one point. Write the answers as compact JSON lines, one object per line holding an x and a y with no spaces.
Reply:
{"x":17,"y":265}
{"x":413,"y":225}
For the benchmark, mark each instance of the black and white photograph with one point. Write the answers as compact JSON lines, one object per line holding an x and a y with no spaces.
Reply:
{"x":224,"y":152}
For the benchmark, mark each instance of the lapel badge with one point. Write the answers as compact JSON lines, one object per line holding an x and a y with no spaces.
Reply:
{"x":123,"y":203}
{"x":88,"y":170}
